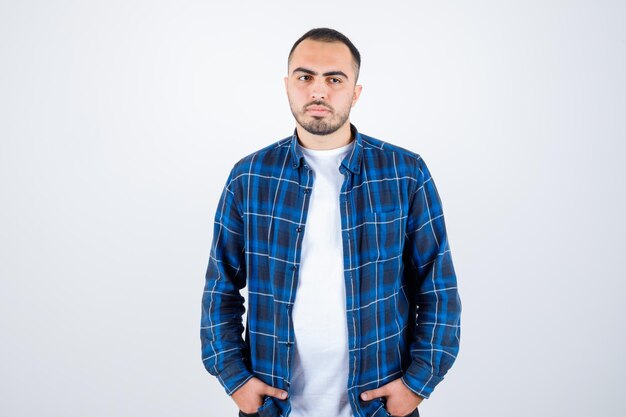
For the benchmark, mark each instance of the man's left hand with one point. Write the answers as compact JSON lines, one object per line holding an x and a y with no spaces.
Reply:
{"x":400,"y":401}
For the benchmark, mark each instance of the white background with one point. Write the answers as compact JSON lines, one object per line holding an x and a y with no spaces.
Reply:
{"x":119,"y":122}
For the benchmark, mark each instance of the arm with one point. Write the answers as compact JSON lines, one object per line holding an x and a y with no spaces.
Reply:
{"x":221,"y":327}
{"x":427,"y":257}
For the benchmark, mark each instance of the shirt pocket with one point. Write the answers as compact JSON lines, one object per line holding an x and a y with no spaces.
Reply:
{"x":384,"y":235}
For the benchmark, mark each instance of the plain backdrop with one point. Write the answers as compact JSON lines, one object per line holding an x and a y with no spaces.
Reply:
{"x":119,"y":122}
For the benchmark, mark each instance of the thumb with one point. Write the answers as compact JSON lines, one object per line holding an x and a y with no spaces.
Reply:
{"x":275,"y":392}
{"x":374,"y":393}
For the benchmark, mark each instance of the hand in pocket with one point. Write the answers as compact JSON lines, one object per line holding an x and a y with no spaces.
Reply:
{"x":399,"y":400}
{"x":249,"y":397}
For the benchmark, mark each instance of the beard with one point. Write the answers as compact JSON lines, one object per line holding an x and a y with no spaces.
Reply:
{"x":320,"y":125}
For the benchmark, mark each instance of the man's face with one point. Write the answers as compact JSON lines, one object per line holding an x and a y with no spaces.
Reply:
{"x":321,"y":86}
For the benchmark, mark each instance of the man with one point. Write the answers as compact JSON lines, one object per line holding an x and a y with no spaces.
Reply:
{"x":353,"y":308}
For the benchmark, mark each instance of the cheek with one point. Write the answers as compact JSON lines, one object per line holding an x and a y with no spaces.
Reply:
{"x":298,"y":96}
{"x":348,"y":99}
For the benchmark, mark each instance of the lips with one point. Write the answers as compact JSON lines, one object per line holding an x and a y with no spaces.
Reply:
{"x":318,"y":110}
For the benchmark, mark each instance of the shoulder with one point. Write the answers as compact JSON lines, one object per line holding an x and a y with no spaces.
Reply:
{"x":382,"y":151}
{"x":261,"y":160}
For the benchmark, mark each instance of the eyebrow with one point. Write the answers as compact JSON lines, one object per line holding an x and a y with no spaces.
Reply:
{"x":326,"y":74}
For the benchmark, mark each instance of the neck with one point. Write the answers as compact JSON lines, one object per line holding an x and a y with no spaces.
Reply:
{"x":337,"y":139}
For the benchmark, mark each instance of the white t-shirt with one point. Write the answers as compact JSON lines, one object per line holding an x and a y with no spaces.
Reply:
{"x":320,"y":368}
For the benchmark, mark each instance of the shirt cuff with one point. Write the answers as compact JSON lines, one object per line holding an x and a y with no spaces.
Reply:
{"x":234,"y":376}
{"x":420,"y":380}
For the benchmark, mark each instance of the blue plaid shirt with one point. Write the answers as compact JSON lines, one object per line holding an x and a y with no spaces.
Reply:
{"x":402,"y":303}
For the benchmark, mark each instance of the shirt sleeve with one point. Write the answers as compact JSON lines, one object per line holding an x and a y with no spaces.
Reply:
{"x":224,"y":351}
{"x":427,"y":256}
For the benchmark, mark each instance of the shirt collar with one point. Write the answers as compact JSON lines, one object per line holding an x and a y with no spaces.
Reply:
{"x":352,"y":161}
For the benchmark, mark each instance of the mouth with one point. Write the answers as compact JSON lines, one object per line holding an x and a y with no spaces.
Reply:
{"x":318,"y":110}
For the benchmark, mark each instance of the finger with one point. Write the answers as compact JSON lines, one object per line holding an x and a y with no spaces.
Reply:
{"x":275,"y":392}
{"x":374,"y":393}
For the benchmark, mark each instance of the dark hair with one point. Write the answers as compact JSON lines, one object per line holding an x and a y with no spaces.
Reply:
{"x":330,"y":35}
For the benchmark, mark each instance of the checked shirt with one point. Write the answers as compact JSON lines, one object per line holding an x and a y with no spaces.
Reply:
{"x":402,"y":304}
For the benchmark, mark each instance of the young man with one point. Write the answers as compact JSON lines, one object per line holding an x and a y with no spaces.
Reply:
{"x":353,"y":308}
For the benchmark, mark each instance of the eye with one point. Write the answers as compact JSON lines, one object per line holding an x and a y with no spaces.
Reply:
{"x":335,"y":81}
{"x":302,"y":76}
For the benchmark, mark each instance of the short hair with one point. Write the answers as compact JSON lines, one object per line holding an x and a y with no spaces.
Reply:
{"x":330,"y":35}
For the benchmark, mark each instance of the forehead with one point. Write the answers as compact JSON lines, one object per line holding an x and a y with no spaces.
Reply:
{"x":322,"y":56}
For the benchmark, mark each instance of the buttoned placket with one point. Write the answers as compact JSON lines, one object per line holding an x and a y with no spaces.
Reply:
{"x":351,"y":283}
{"x":306,"y":184}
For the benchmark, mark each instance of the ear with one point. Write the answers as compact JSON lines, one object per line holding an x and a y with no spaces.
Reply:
{"x":286,"y":79}
{"x":356,"y":94}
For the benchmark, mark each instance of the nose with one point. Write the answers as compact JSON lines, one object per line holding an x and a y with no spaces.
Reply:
{"x":319,"y":89}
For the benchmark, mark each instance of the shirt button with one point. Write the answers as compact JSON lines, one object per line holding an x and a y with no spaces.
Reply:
{"x":298,"y":229}
{"x":307,"y":190}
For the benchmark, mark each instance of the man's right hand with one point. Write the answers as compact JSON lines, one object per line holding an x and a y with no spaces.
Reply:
{"x":249,"y":397}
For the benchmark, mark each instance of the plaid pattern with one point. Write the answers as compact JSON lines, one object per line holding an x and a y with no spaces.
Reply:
{"x":403,"y":307}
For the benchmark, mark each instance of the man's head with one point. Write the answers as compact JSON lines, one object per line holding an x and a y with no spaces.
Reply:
{"x":322,"y":70}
